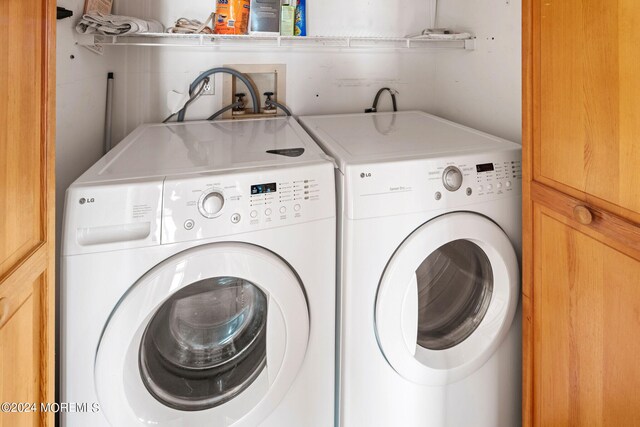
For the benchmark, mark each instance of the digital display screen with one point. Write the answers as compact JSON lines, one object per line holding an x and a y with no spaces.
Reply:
{"x":487,"y":167}
{"x":264,"y":189}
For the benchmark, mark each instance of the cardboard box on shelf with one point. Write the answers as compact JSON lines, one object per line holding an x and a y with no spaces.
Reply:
{"x":102,"y":6}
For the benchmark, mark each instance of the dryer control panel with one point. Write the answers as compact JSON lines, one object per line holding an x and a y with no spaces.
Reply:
{"x":418,"y":185}
{"x":498,"y":178}
{"x":490,"y":178}
{"x":215,"y":205}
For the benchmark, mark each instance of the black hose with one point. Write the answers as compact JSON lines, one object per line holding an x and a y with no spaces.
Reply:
{"x":374,"y":108}
{"x":239,"y":75}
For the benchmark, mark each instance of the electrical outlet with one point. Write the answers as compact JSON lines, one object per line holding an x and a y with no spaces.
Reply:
{"x":210,"y":88}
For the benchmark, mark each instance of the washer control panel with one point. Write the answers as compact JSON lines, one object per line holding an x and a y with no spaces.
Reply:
{"x":452,"y":178}
{"x":211,"y":203}
{"x":209,"y":206}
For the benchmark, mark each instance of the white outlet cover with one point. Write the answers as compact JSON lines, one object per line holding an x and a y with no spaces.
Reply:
{"x":211,"y":86}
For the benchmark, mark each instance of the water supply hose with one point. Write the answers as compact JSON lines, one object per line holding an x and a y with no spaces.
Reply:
{"x":244,"y":79}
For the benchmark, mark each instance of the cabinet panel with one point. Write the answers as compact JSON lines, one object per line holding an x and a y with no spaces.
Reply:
{"x":586,"y":318}
{"x":587,"y":96}
{"x":21,"y":151}
{"x":21,"y":340}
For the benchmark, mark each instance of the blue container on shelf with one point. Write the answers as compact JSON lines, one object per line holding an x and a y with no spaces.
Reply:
{"x":301,"y":19}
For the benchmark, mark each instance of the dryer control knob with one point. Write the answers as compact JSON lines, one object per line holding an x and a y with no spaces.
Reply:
{"x":211,"y":204}
{"x":452,"y":178}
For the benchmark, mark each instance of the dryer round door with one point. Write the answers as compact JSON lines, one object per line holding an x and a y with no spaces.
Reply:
{"x":447,"y":299}
{"x":213,"y":336}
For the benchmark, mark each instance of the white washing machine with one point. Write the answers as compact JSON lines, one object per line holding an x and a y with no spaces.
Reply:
{"x":198,"y":282}
{"x":430,"y":231}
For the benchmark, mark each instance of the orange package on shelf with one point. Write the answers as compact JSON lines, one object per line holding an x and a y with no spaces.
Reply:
{"x":232,"y":16}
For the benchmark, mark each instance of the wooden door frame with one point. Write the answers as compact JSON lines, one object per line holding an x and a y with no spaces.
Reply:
{"x":49,"y":136}
{"x":39,"y":262}
{"x":527,"y":210}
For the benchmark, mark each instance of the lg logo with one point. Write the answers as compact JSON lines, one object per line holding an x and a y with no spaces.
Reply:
{"x":365,"y":175}
{"x":84,"y":201}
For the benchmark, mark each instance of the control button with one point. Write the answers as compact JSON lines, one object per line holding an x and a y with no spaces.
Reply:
{"x":235,"y":218}
{"x":480,"y":188}
{"x":438,"y":195}
{"x":452,"y":178}
{"x":509,"y":184}
{"x":211,"y":204}
{"x":489,"y":187}
{"x":254,"y":214}
{"x":283,"y":210}
{"x":469,"y":191}
{"x":499,"y":185}
{"x":268,"y":212}
{"x":297,"y":208}
{"x":189,"y":224}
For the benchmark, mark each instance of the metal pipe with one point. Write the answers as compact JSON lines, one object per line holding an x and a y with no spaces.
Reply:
{"x":108,"y":114}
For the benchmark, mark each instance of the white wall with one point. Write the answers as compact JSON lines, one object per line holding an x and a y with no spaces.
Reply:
{"x":482,"y":88}
{"x":317,"y":82}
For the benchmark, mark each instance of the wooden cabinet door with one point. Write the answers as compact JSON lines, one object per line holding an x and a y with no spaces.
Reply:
{"x":583,"y":321}
{"x":581,"y":213}
{"x":586,"y":100}
{"x":27,"y":285}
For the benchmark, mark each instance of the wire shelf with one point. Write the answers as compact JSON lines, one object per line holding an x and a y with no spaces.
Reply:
{"x":273,"y":42}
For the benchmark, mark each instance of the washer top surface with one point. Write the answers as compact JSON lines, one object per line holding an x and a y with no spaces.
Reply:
{"x":156,"y":150}
{"x":386,"y":137}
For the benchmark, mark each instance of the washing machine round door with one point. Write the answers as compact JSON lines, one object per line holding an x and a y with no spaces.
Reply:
{"x":447,"y":299}
{"x":213,"y":336}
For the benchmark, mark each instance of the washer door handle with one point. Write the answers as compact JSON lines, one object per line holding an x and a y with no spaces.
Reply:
{"x":276,"y":340}
{"x":409,"y":320}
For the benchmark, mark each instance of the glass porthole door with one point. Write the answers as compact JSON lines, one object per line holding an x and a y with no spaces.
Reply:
{"x":447,"y":299}
{"x":212,"y":336}
{"x":206,"y":344}
{"x":455,"y":285}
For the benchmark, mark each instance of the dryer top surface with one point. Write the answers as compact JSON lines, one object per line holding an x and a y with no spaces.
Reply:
{"x":387,"y":137}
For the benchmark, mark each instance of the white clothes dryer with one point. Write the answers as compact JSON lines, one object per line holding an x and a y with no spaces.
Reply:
{"x":198,"y":281}
{"x":429,"y":279}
